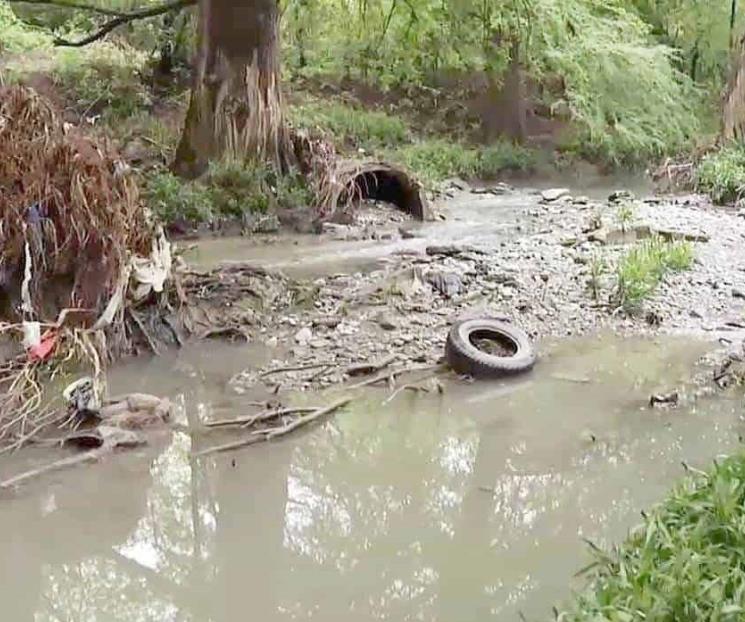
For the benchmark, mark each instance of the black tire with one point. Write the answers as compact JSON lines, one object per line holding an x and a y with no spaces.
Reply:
{"x":465,"y":358}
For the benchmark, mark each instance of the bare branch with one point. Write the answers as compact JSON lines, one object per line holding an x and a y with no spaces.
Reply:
{"x":62,"y":4}
{"x":125,"y":18}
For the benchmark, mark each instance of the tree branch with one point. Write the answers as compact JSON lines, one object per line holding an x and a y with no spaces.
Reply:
{"x":125,"y":18}
{"x":62,"y":4}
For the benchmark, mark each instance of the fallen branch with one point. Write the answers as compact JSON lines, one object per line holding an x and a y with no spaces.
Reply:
{"x":272,"y":433}
{"x":280,"y":370}
{"x":265,"y":416}
{"x":89,"y":456}
{"x":406,"y":387}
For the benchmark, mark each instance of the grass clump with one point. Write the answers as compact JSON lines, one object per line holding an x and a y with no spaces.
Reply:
{"x":721,"y":175}
{"x":640,"y":271}
{"x":351,"y":126}
{"x":435,"y":160}
{"x":685,"y":563}
{"x":171,"y":199}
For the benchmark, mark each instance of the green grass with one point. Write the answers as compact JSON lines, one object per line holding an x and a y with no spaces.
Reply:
{"x":685,"y":563}
{"x":103,"y":79}
{"x":229,"y":190}
{"x":351,"y":126}
{"x":640,"y":271}
{"x":721,"y":175}
{"x":437,"y":159}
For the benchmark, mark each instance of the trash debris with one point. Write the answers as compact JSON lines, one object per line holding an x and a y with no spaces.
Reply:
{"x":669,"y":400}
{"x":83,"y":399}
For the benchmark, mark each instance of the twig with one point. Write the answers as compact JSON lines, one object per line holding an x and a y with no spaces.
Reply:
{"x":405,"y":387}
{"x":267,"y":435}
{"x":301,"y":421}
{"x":392,"y":375}
{"x":125,"y":18}
{"x":265,"y":416}
{"x":89,"y":456}
{"x":280,"y":370}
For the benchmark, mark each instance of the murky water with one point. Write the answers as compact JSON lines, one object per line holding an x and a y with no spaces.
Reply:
{"x":467,"y":506}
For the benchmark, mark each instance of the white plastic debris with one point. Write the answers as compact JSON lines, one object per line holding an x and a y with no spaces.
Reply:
{"x":152,"y":273}
{"x":31,"y":335}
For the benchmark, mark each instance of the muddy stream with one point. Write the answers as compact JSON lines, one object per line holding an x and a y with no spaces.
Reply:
{"x":470,"y":505}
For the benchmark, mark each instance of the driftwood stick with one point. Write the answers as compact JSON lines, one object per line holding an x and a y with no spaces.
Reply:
{"x":266,"y":435}
{"x":301,"y":421}
{"x":280,"y":370}
{"x":89,"y":456}
{"x":406,"y":387}
{"x":262,"y":416}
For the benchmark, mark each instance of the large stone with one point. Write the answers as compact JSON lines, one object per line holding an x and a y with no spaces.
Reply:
{"x":554,"y":194}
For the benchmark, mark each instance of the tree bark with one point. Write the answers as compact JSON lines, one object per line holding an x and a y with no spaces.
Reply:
{"x":236,"y":106}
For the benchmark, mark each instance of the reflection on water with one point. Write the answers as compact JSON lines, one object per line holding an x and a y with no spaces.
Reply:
{"x":454,"y":507}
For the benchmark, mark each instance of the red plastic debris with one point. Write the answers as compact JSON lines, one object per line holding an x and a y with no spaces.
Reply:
{"x":45,"y":348}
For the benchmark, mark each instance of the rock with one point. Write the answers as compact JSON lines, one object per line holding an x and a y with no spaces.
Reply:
{"x":738,"y":293}
{"x":554,"y":194}
{"x":407,"y":234}
{"x":304,"y":335}
{"x":385,"y":321}
{"x":696,"y":313}
{"x":449,"y":284}
{"x":670,"y":234}
{"x":450,"y":250}
{"x":581,"y":200}
{"x":266,"y":223}
{"x":620,"y":195}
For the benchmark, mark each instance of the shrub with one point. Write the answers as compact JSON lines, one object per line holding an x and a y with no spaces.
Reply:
{"x":17,"y":36}
{"x":722,"y":174}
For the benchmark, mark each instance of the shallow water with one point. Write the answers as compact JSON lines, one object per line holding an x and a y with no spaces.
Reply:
{"x":467,"y":506}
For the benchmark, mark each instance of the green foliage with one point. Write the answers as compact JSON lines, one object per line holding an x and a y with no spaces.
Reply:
{"x":171,"y":198}
{"x":722,"y":174}
{"x":625,"y":214}
{"x":640,"y":271}
{"x":598,"y":269}
{"x":596,"y":61}
{"x":435,"y":160}
{"x":685,"y":563}
{"x":16,"y":36}
{"x":103,"y":78}
{"x":229,"y":190}
{"x":353,"y":126}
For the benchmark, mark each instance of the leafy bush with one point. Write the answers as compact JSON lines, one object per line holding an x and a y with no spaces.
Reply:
{"x":685,"y":563}
{"x":722,"y":174}
{"x":435,"y":160}
{"x":350,"y":125}
{"x":640,"y":271}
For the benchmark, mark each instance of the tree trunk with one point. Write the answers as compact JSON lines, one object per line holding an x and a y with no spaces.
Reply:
{"x":236,"y":104}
